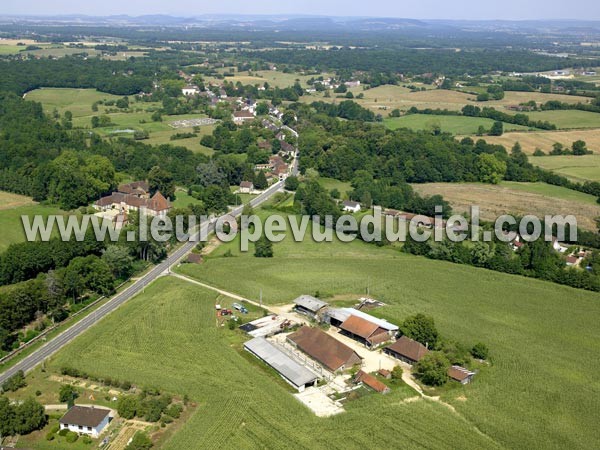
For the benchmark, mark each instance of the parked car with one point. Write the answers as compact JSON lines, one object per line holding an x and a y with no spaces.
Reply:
{"x":240,"y":308}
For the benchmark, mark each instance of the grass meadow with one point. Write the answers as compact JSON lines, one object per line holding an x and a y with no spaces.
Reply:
{"x":167,"y":337}
{"x":568,"y":119}
{"x":448,"y":124}
{"x":12,"y":207}
{"x":578,"y":168}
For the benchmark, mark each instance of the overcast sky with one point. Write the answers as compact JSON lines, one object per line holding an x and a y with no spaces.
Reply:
{"x":420,"y":9}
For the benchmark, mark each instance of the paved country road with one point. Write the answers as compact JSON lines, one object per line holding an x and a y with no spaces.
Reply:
{"x":55,"y":344}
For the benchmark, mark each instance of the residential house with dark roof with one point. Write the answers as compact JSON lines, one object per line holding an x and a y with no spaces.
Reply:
{"x":325,"y":349}
{"x":407,"y":350}
{"x":85,"y":420}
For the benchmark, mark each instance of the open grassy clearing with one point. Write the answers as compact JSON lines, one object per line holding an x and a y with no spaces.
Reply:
{"x":545,"y":139}
{"x":539,"y":199}
{"x":579,"y":168}
{"x":387,"y":98}
{"x":331,"y":183}
{"x":79,"y":102}
{"x":167,"y":337}
{"x":539,"y":392}
{"x":568,"y":119}
{"x":12,"y":207}
{"x":448,"y":124}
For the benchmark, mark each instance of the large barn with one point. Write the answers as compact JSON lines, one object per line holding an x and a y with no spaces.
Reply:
{"x":290,"y":370}
{"x":324,"y":349}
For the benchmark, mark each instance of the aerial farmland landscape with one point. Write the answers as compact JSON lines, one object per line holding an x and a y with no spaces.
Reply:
{"x":309,"y":225}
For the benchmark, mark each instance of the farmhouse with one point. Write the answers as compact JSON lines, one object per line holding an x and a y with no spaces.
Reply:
{"x":120,"y":203}
{"x":369,"y":380}
{"x":246,"y":187}
{"x":368,"y":333}
{"x":407,"y":350}
{"x":350,"y":206}
{"x":460,"y":374}
{"x":324,"y":349}
{"x":288,"y":149}
{"x":291,"y":371}
{"x":242,"y":116}
{"x":85,"y":420}
{"x":308,"y":305}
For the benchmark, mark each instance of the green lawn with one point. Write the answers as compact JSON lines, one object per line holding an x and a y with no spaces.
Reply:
{"x":579,"y":168}
{"x":11,"y":224}
{"x":332,"y":183}
{"x":552,"y":191}
{"x":449,"y":124}
{"x":542,"y":389}
{"x":568,"y":119}
{"x":167,"y":337}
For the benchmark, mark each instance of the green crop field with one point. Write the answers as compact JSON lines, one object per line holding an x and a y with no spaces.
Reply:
{"x":579,"y":168}
{"x":568,"y":119}
{"x":166,"y":337}
{"x":12,"y":207}
{"x":542,"y":387}
{"x":448,"y":124}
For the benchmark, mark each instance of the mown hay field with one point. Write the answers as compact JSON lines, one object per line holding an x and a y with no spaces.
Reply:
{"x":544,"y":140}
{"x":539,"y":199}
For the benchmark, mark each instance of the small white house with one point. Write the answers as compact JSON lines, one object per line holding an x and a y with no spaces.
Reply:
{"x":559,"y":247}
{"x":246,"y":187}
{"x":350,"y":206}
{"x":85,"y":420}
{"x":190,"y":90}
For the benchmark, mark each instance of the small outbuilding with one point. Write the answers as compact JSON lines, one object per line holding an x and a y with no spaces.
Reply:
{"x":460,"y":374}
{"x":85,"y":420}
{"x":246,"y":187}
{"x":369,"y":380}
{"x":309,"y":306}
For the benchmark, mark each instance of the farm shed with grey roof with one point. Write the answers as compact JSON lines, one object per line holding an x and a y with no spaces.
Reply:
{"x":290,"y":370}
{"x":309,"y":305}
